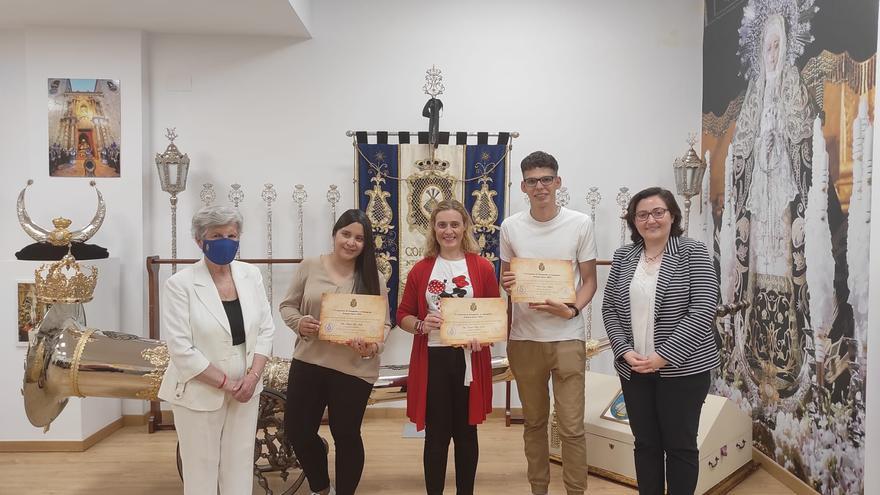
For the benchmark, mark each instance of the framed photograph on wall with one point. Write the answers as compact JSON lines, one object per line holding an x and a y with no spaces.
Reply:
{"x":30,"y":311}
{"x":616,"y":410}
{"x":84,"y":127}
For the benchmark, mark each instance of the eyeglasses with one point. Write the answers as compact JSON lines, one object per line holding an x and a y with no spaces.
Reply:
{"x":658,"y":213}
{"x":545,"y":181}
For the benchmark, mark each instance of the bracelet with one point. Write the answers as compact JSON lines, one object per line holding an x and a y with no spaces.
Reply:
{"x":252,"y":372}
{"x":223,"y":382}
{"x":577,"y":312}
{"x":420,"y":327}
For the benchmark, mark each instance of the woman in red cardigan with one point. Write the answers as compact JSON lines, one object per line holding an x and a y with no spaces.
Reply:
{"x":449,"y":389}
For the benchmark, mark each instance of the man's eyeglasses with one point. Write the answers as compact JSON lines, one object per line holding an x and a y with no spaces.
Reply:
{"x":657,"y":213}
{"x":545,"y":181}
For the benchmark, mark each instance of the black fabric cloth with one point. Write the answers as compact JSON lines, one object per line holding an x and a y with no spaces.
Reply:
{"x":446,"y":418}
{"x":236,"y":321}
{"x":664,"y":415}
{"x":311,"y":389}
{"x":43,"y":251}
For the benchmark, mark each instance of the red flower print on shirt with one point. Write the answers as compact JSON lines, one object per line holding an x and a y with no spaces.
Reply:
{"x":460,"y":281}
{"x":436,"y":286}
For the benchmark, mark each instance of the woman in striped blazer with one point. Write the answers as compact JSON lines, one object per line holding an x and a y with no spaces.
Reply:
{"x":659,"y":308}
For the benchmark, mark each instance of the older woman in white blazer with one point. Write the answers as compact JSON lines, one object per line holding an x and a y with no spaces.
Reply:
{"x":218,"y":326}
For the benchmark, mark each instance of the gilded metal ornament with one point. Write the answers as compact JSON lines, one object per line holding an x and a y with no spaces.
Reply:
{"x":269,"y":196}
{"x":207,"y":195}
{"x":64,"y":281}
{"x":40,"y":234}
{"x":381,"y":216}
{"x":299,"y":197}
{"x":484,"y":212}
{"x":158,"y":357}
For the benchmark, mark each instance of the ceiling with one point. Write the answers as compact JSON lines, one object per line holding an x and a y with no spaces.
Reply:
{"x":245,"y":17}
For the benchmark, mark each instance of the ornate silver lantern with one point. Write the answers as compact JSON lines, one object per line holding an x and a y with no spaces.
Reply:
{"x":172,"y":166}
{"x":689,"y":170}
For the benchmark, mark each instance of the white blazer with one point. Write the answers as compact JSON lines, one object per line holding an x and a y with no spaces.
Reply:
{"x":198,"y":334}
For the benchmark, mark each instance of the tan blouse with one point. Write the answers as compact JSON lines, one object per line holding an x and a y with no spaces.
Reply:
{"x":310,"y":281}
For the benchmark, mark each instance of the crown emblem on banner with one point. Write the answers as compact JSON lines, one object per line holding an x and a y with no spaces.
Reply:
{"x":432,"y":165}
{"x":64,"y":282}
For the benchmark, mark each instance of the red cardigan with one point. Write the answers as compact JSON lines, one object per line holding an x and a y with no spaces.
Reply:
{"x":482,"y":275}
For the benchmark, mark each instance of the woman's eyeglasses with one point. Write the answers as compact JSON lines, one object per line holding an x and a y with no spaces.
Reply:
{"x":657,"y":213}
{"x":545,"y":181}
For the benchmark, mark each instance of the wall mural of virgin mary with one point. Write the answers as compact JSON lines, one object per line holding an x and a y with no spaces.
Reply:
{"x":787,"y":118}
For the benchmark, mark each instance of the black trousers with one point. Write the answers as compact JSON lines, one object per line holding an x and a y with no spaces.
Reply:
{"x":310,"y":389}
{"x":664,"y":414}
{"x":446,"y":417}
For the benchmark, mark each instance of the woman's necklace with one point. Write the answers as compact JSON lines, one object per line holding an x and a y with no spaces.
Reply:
{"x":652,"y":259}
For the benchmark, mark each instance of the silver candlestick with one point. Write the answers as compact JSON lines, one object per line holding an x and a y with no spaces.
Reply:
{"x":623,"y":198}
{"x":562,"y":196}
{"x":172,"y":166}
{"x":689,"y":170}
{"x":269,"y":196}
{"x":333,"y":197}
{"x":299,"y":197}
{"x":593,"y":198}
{"x":236,"y":196}
{"x":207,"y":195}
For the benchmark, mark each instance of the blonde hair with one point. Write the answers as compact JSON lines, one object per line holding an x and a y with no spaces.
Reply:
{"x":468,"y":241}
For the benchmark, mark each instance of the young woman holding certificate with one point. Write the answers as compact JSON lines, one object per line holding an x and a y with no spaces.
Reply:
{"x":325,"y":374}
{"x":449,"y":388}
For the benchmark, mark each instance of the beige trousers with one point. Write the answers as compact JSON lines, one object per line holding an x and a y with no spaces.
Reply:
{"x":534,"y":364}
{"x":217,"y":447}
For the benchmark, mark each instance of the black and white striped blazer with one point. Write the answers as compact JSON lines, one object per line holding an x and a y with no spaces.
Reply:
{"x":684,"y":308}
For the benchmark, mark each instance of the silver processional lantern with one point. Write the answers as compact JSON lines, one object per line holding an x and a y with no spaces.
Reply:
{"x":172,"y":166}
{"x":689,"y":170}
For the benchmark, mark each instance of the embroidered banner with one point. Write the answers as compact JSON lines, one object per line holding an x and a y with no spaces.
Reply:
{"x":398,"y":186}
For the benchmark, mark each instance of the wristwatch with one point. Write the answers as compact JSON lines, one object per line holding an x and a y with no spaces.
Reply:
{"x":577,"y":312}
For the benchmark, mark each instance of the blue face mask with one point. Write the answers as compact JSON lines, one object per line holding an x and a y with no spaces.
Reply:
{"x":220,"y":251}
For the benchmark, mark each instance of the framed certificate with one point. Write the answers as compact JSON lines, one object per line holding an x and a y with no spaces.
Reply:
{"x":348,"y":316}
{"x":538,"y":280}
{"x":465,"y":319}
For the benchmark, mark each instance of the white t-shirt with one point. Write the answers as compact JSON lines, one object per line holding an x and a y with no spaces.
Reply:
{"x":568,"y":236}
{"x":449,"y":278}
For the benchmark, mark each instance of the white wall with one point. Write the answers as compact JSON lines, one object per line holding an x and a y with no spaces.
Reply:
{"x":571,"y":77}
{"x":27,"y":59}
{"x":612,"y":89}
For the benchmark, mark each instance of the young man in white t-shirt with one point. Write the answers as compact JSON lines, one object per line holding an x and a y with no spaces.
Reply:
{"x":547,"y":340}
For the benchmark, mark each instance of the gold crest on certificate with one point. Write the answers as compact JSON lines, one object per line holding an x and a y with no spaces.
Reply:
{"x":538,"y":280}
{"x":466,"y":319}
{"x":349,"y":316}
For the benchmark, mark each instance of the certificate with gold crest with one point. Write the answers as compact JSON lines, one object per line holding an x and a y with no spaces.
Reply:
{"x":538,"y":280}
{"x":348,"y":316}
{"x":465,"y":319}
